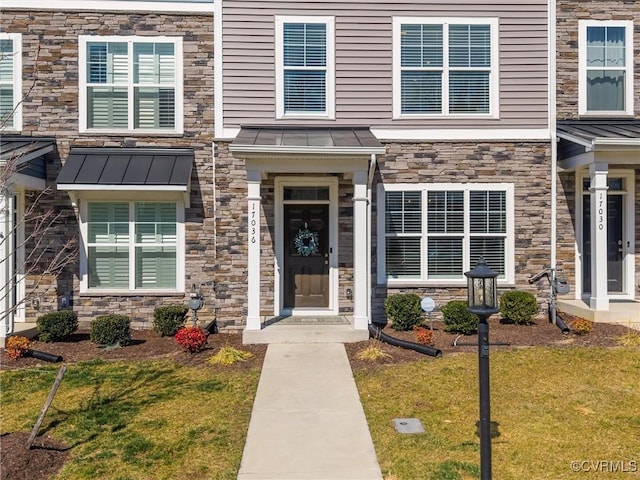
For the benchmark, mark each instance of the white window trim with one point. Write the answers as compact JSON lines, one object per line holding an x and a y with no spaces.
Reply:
{"x":82,"y":83}
{"x":382,"y":278}
{"x":16,"y":38}
{"x":494,"y":76}
{"x":582,"y":66}
{"x":84,"y":249}
{"x":330,"y":112}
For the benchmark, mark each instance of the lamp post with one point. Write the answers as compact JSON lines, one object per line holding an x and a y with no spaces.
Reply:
{"x":482,"y":300}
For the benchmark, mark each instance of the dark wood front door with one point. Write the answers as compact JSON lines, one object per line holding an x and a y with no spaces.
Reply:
{"x":306,"y":255}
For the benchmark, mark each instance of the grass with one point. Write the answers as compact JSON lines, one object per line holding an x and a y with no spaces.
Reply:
{"x":551,"y":406}
{"x":151,"y":419}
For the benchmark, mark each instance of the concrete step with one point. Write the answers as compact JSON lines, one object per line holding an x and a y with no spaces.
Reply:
{"x":291,"y":333}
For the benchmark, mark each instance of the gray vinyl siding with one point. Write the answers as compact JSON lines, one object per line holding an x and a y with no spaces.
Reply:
{"x":363,"y":61}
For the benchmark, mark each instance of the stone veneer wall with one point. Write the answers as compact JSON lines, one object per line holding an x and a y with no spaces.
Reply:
{"x":50,"y":108}
{"x":525,"y":164}
{"x":569,"y":12}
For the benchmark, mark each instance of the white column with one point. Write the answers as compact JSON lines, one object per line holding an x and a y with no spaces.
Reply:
{"x":599,"y":292}
{"x":253,"y":260}
{"x":360,"y":252}
{"x":6,"y":265}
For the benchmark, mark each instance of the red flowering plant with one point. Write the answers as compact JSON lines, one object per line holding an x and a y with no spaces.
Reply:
{"x":17,"y":346}
{"x":191,"y":339}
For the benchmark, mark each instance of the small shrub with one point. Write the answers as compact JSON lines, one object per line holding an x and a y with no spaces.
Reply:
{"x":111,"y":330}
{"x":169,"y":319}
{"x":518,"y":307}
{"x":629,"y":339}
{"x":581,"y":326}
{"x":56,"y":326}
{"x":191,"y":339}
{"x":17,"y":346}
{"x":372,"y":353}
{"x":228,"y":355}
{"x":457,"y":319}
{"x":403,"y":311}
{"x":424,"y":336}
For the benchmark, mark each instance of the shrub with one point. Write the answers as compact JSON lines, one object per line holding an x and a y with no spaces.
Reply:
{"x":372,"y":353}
{"x":424,"y":336}
{"x":581,"y":326}
{"x":169,"y":319}
{"x":111,"y":330}
{"x":518,"y":307}
{"x":229,"y":355}
{"x":57,"y":326}
{"x":191,"y":339}
{"x":17,"y":346}
{"x":457,"y":319}
{"x":403,"y":310}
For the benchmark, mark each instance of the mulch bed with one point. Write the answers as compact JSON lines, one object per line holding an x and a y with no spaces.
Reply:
{"x":47,"y":456}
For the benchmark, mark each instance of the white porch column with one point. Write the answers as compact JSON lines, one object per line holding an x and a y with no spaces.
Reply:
{"x":253,"y":256}
{"x":6,"y":265}
{"x":360,"y":252}
{"x":599,"y":291}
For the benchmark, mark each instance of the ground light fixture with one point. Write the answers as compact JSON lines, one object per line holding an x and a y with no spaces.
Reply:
{"x":483,"y":301}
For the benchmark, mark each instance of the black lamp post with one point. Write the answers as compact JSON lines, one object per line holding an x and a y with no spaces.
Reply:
{"x":483,"y":301}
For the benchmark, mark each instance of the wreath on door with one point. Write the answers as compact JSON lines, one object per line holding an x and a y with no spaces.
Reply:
{"x":306,"y":242}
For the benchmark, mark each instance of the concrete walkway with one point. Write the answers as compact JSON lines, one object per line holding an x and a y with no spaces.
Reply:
{"x":307,"y":421}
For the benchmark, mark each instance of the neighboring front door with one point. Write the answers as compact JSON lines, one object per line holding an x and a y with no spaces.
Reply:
{"x":306,"y":255}
{"x":615,"y":244}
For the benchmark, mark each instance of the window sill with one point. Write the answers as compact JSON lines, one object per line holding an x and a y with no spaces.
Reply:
{"x":606,"y":115}
{"x":132,"y":133}
{"x":390,"y":284}
{"x":132,"y":293}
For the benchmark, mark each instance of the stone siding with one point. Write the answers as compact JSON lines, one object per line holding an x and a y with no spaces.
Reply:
{"x":50,"y":108}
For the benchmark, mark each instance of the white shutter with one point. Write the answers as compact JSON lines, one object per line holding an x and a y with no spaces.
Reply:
{"x":156,"y":263}
{"x":7,"y":101}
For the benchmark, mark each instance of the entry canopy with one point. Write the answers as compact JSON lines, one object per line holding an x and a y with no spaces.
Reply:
{"x":26,"y":156}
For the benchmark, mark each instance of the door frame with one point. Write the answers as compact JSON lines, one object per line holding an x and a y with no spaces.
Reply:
{"x":628,"y":219}
{"x":279,"y":184}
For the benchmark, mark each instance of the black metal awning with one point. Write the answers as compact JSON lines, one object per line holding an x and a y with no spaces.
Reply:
{"x":26,"y":155}
{"x":307,"y":140}
{"x":582,"y":141}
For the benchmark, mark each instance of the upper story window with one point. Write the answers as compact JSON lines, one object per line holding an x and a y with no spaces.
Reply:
{"x":304,"y":67}
{"x":436,"y":232}
{"x":131,"y":84}
{"x":445,"y":66}
{"x":10,"y":81}
{"x":606,"y":67}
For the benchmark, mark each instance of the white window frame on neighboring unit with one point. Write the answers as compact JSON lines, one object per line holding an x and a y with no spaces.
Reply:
{"x":129,"y":83}
{"x":583,"y":68}
{"x":445,"y":68}
{"x":130,"y":242}
{"x":421,"y":231}
{"x":14,"y":123}
{"x":329,"y":68}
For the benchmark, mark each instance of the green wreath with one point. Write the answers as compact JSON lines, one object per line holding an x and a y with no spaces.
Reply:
{"x":306,"y":242}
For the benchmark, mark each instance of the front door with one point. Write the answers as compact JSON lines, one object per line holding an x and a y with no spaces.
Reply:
{"x":615,"y":244}
{"x":306,"y":255}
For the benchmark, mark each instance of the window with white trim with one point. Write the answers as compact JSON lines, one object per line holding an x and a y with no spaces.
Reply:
{"x":445,"y":66}
{"x":10,"y":81}
{"x":131,"y":84}
{"x":606,"y":67}
{"x":435,"y":233}
{"x":132,"y":245}
{"x":304,"y":66}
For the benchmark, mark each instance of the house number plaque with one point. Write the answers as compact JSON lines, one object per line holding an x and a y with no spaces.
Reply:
{"x":253,"y":223}
{"x":600,"y":211}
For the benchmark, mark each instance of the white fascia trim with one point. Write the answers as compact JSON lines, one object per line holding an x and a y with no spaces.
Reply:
{"x":300,"y":150}
{"x":616,"y":142}
{"x":580,"y":141}
{"x":462,"y":134}
{"x":111,"y":5}
{"x":77,"y":187}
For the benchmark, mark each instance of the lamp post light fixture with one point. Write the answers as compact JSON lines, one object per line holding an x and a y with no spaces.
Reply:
{"x":483,"y":301}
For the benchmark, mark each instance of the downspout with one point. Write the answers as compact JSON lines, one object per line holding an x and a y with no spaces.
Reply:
{"x":372,"y":171}
{"x":552,"y":129}
{"x":7,"y":320}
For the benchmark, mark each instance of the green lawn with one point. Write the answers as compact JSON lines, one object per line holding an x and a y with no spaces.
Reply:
{"x":137,"y":420}
{"x":552,"y":406}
